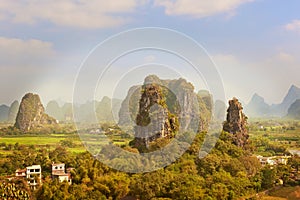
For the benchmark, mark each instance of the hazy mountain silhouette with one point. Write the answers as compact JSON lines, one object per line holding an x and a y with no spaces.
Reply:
{"x":106,"y":110}
{"x":257,"y":107}
{"x":4,"y":109}
{"x":294,"y":110}
{"x":219,"y":110}
{"x":53,"y":109}
{"x":281,"y":110}
{"x":13,"y":111}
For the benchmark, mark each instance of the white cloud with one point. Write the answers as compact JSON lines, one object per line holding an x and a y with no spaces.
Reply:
{"x":149,"y":58}
{"x":293,"y":26}
{"x":17,"y":52}
{"x":285,"y":57}
{"x":22,"y":64}
{"x":226,"y":59}
{"x":200,"y":8}
{"x":72,"y":13}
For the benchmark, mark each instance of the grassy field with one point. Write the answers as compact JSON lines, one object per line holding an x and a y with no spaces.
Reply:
{"x":50,"y":141}
{"x":279,"y":132}
{"x":32,"y":140}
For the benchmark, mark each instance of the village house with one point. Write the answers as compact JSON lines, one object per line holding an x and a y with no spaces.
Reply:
{"x":58,"y":172}
{"x":21,"y":173}
{"x":32,"y":173}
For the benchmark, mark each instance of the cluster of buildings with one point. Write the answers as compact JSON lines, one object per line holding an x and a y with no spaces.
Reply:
{"x":274,"y":160}
{"x":33,"y":174}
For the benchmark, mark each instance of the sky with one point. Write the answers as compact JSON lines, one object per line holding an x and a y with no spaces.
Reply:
{"x":254,"y":44}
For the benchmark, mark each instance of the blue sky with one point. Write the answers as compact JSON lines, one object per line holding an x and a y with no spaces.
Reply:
{"x":255,"y":43}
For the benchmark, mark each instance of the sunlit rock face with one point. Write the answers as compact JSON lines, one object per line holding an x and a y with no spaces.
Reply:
{"x":161,"y":108}
{"x":31,"y":113}
{"x":236,"y":123}
{"x":154,"y":120}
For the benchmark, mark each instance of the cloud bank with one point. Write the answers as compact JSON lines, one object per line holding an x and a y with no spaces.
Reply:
{"x":200,"y":9}
{"x":18,"y":52}
{"x":293,"y":26}
{"x":70,"y":13}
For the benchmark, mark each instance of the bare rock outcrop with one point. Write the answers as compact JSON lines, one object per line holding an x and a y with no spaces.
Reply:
{"x":194,"y":110}
{"x":160,"y":109}
{"x":154,"y":120}
{"x":130,"y":107}
{"x":31,"y":113}
{"x":236,"y":123}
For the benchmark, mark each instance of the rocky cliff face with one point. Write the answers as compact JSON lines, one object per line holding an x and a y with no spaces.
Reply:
{"x":236,"y":123}
{"x":205,"y":102}
{"x":160,"y":108}
{"x":179,"y":95}
{"x":31,"y":113}
{"x":130,"y":107}
{"x":154,"y":120}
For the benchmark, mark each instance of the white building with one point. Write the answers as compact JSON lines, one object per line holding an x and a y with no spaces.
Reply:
{"x":274,"y":160}
{"x":34,"y":175}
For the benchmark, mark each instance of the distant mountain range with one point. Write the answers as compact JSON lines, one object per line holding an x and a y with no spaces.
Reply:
{"x":4,"y":109}
{"x":257,"y":107}
{"x":294,"y":110}
{"x":109,"y":109}
{"x":106,"y":110}
{"x":9,"y":113}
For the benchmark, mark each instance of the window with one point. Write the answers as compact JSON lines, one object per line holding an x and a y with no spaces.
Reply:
{"x":32,"y":170}
{"x":37,"y":170}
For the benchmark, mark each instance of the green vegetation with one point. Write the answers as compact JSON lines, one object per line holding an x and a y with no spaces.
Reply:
{"x":228,"y":172}
{"x":275,"y":137}
{"x":16,"y":189}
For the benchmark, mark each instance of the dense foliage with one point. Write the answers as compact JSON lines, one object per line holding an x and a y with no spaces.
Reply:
{"x":228,"y":172}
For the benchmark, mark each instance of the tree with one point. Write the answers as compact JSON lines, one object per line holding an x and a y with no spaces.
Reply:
{"x":16,"y":189}
{"x":268,"y":177}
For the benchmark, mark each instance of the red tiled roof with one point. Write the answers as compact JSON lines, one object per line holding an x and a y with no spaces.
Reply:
{"x":20,"y":170}
{"x":57,"y":164}
{"x":59,"y":174}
